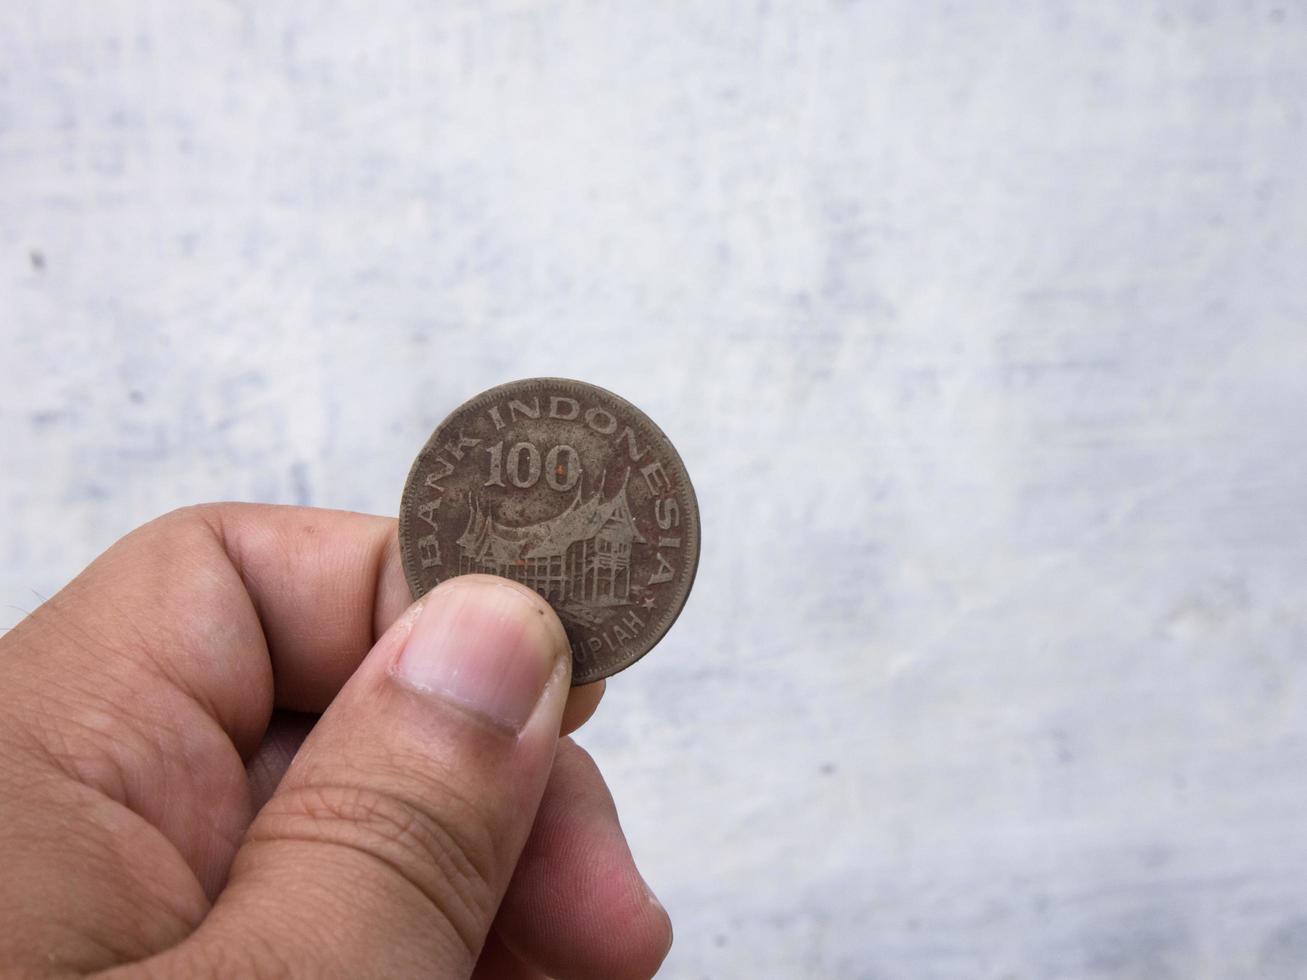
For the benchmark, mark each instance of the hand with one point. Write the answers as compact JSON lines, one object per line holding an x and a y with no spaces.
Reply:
{"x":153,"y":822}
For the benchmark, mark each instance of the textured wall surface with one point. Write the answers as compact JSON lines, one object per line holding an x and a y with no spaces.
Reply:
{"x":982,"y":329}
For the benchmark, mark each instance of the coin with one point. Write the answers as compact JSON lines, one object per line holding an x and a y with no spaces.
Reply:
{"x":570,"y":490}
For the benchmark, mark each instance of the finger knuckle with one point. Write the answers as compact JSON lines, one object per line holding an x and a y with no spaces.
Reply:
{"x":185,"y":522}
{"x":449,"y":859}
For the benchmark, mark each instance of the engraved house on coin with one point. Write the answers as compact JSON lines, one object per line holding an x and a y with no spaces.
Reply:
{"x":580,"y":558}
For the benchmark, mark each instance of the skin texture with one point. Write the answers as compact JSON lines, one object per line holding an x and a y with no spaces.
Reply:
{"x":171,"y":804}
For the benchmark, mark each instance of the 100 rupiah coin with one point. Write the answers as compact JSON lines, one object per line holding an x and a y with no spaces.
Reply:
{"x":570,"y":490}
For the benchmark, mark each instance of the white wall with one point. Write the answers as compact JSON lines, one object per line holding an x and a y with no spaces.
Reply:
{"x":981,"y":327}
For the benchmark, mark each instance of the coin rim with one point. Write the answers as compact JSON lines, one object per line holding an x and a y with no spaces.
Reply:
{"x":411,"y":575}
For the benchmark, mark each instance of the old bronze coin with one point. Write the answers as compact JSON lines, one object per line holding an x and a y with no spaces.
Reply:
{"x":570,"y":490}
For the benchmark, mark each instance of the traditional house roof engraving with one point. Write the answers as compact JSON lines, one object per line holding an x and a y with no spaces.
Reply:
{"x":487,"y":538}
{"x":583,"y":554}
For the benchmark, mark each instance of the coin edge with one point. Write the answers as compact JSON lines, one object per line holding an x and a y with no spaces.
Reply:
{"x":411,"y":576}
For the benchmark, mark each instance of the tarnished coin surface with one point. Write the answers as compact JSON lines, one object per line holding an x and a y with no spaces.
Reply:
{"x":570,"y":490}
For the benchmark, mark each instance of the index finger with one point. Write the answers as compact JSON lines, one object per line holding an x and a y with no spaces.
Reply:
{"x":325,"y":585}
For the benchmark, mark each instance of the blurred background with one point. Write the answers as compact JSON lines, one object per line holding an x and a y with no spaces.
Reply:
{"x":981,"y":328}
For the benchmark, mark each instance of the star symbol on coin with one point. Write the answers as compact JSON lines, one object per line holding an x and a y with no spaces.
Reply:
{"x":648,"y":602}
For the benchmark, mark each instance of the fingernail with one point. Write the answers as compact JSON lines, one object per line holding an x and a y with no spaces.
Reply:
{"x":484,"y":645}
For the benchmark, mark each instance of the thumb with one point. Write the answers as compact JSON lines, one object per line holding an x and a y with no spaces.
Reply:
{"x":394,"y":834}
